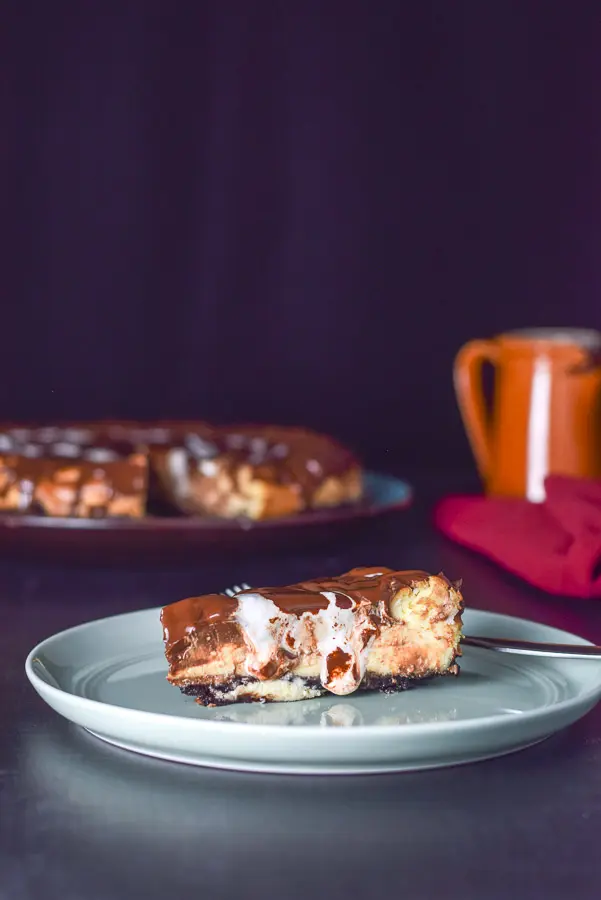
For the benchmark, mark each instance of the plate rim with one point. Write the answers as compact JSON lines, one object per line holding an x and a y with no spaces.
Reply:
{"x":360,"y":732}
{"x":318,"y":769}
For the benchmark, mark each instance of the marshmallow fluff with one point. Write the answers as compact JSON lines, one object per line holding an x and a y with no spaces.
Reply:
{"x":177,"y":462}
{"x":264,"y":627}
{"x":341,"y":637}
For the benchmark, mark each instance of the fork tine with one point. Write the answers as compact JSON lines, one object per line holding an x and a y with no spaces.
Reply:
{"x":236,"y":589}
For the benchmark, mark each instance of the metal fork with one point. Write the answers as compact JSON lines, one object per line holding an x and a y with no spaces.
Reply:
{"x":533,"y":648}
{"x":236,"y":589}
{"x":501,"y":645}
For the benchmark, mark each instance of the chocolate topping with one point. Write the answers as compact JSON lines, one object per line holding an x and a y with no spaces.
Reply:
{"x":65,"y":487}
{"x":295,"y":459}
{"x":338,"y":663}
{"x":185,"y":617}
{"x":365,"y":585}
{"x":291,"y":457}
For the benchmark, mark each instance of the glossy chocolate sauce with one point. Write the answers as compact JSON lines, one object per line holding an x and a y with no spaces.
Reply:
{"x":368,"y":586}
{"x":186,"y":616}
{"x":281,"y":456}
{"x":119,"y":478}
{"x":278,"y":455}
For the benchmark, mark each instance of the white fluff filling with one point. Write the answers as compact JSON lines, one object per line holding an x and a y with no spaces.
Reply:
{"x":269,"y":630}
{"x":340,"y":629}
{"x":264,"y":625}
{"x":177,"y":463}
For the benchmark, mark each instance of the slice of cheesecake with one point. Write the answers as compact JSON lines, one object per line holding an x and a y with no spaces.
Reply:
{"x":370,"y":629}
{"x":67,"y":479}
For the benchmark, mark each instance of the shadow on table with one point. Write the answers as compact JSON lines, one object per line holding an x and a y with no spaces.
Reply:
{"x":115,"y":822}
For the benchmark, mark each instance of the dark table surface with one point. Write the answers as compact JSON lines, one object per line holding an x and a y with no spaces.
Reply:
{"x":80,"y":820}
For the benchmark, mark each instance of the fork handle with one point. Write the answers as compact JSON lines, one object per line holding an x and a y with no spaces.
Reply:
{"x":532,"y":648}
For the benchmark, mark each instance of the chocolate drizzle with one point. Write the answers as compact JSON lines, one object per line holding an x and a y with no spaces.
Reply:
{"x":338,"y":663}
{"x":187,"y":616}
{"x":63,"y":487}
{"x":366,"y":585}
{"x":361,"y":585}
{"x":70,"y":471}
{"x":286,"y":456}
{"x":297,"y":459}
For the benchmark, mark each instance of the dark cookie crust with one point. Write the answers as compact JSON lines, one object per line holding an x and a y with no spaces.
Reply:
{"x":212,"y":695}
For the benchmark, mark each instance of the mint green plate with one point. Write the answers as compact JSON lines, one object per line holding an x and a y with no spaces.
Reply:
{"x":108,"y":677}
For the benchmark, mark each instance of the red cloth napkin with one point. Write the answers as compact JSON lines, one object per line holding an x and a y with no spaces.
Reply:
{"x":555,"y":545}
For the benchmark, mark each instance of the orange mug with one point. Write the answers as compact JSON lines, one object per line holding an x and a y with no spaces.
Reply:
{"x":546,"y":413}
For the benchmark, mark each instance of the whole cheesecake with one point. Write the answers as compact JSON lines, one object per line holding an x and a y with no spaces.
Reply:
{"x":121,"y":469}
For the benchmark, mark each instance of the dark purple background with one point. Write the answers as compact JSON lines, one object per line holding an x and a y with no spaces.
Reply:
{"x":290,"y":211}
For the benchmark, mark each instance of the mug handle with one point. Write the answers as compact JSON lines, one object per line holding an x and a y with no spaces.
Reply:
{"x":467,"y":374}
